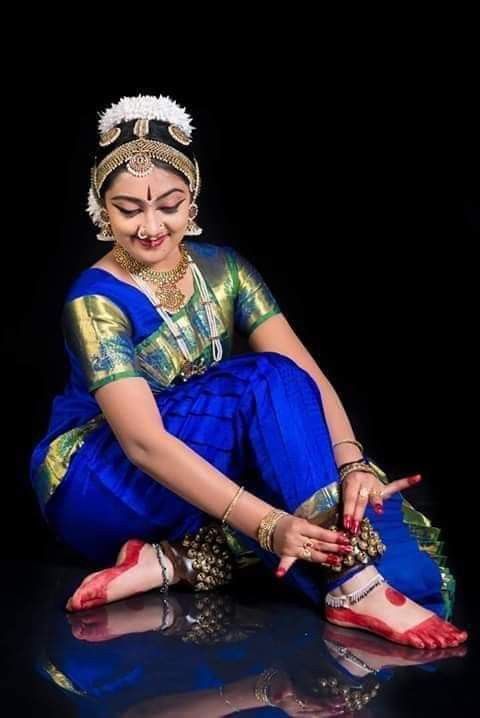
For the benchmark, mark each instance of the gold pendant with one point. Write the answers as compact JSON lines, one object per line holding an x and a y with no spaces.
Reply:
{"x":170,"y":297}
{"x":194,"y":368}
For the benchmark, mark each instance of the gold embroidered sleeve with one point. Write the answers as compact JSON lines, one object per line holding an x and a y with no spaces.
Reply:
{"x":98,"y":336}
{"x":254,"y":302}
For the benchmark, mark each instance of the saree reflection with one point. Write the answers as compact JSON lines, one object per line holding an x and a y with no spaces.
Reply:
{"x":210,"y":654}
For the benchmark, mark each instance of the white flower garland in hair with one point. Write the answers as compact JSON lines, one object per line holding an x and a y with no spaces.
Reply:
{"x":146,"y":107}
{"x":94,"y":208}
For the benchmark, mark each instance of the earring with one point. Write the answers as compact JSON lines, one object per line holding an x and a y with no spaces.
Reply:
{"x":105,"y":234}
{"x":192,"y":229}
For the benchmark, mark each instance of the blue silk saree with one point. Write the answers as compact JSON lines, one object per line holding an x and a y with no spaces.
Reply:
{"x":257,"y":417}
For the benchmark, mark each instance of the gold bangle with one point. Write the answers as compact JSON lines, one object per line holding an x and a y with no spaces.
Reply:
{"x":349,"y":441}
{"x":263,"y":684}
{"x":357,"y":466}
{"x":220,"y":690}
{"x":232,"y":504}
{"x":266,"y":528}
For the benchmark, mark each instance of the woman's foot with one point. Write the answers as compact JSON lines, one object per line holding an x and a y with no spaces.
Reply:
{"x":138,"y":614}
{"x":346,"y":645}
{"x":137,"y":570}
{"x":390,"y":614}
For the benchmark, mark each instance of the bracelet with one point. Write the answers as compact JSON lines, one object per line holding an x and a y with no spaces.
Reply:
{"x":349,"y":441}
{"x":263,"y":684}
{"x":357,"y":466}
{"x":235,"y":710}
{"x":349,"y":463}
{"x":266,"y":528}
{"x":232,"y":504}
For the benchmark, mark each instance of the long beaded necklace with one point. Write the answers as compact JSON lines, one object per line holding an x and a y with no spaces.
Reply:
{"x":189,"y":367}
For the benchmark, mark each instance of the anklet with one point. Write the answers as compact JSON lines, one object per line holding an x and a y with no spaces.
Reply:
{"x":350,"y":599}
{"x":159,"y":552}
{"x":349,"y":656}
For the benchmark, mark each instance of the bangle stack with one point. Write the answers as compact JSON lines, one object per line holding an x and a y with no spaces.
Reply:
{"x":266,"y":529}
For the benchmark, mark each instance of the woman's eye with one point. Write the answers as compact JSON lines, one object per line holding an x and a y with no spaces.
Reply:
{"x":170,"y":209}
{"x":129,"y":212}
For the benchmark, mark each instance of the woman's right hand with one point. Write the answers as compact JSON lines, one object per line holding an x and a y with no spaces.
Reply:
{"x":291,"y":534}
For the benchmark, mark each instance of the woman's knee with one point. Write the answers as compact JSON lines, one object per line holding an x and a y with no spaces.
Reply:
{"x":284,"y":365}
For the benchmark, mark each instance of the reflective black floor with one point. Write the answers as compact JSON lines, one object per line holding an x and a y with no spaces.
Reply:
{"x":210,"y":655}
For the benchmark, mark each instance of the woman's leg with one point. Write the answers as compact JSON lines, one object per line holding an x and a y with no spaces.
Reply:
{"x":289,"y":449}
{"x":258,"y":418}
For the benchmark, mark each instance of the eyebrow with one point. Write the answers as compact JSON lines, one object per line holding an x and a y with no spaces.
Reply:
{"x":141,"y":201}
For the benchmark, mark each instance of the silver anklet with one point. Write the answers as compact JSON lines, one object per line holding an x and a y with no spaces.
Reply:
{"x":159,"y":551}
{"x":350,"y":599}
{"x":349,"y":656}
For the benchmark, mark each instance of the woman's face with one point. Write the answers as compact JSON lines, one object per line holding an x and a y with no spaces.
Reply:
{"x":156,"y":206}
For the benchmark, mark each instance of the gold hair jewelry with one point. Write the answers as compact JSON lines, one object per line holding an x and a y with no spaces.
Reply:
{"x":179,"y":135}
{"x":141,"y":127}
{"x":137,"y":155}
{"x":109,"y":137}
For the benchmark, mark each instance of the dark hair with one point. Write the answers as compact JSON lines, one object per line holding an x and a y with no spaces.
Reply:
{"x":158,"y":131}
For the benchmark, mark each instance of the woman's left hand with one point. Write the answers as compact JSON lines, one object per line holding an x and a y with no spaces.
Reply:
{"x":359,"y":489}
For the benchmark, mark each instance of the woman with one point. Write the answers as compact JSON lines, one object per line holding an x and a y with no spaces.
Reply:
{"x":160,"y":431}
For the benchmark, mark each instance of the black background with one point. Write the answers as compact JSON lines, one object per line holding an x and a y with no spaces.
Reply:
{"x":341,"y":181}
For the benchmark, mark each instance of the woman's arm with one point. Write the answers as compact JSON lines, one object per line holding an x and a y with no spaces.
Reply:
{"x":130,"y":409}
{"x":133,"y":415}
{"x":276,"y":335}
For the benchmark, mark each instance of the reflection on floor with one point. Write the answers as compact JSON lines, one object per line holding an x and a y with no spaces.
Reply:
{"x":255,"y":650}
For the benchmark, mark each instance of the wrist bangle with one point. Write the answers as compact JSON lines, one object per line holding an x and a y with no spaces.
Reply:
{"x":354,"y":442}
{"x":232,"y":504}
{"x":220,"y":690}
{"x":363,"y":461}
{"x":266,"y":528}
{"x":262,"y":693}
{"x":357,"y":466}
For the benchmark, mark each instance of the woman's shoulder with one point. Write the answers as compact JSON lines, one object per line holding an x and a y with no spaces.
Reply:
{"x":206,"y":250}
{"x":215,"y":260}
{"x":92,"y":280}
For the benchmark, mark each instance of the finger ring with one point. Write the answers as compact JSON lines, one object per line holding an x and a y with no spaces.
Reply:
{"x":364,"y":492}
{"x":306,"y":550}
{"x":376,"y":492}
{"x":300,"y":703}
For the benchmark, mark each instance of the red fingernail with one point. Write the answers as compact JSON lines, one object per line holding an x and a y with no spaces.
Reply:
{"x":345,"y":549}
{"x":347,"y":522}
{"x":412,"y":480}
{"x":334,"y":560}
{"x":355,"y":526}
{"x":280,"y":572}
{"x":378,"y":508}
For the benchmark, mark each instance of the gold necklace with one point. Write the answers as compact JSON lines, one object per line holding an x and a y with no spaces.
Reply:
{"x":169,"y":296}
